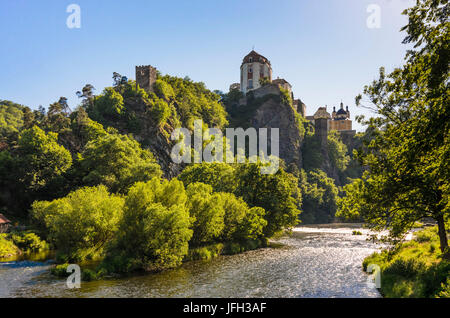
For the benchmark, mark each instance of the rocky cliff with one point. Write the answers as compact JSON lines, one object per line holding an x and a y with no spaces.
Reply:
{"x":266,"y":108}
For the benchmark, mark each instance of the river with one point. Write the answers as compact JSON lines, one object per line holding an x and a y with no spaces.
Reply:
{"x":319,"y":261}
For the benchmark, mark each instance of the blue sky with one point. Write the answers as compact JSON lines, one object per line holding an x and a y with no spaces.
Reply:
{"x":323,"y":48}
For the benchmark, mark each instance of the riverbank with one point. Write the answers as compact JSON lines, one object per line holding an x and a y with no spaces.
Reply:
{"x":310,"y":262}
{"x":17,"y":243}
{"x":97,"y":270}
{"x":415,"y":269}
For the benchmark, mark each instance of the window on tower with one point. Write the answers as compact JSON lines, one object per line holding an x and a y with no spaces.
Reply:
{"x":250,"y":84}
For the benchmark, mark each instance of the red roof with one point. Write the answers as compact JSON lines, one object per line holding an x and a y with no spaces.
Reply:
{"x":255,"y":57}
{"x":4,"y":220}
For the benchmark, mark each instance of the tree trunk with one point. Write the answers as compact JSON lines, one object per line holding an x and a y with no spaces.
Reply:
{"x":442,"y":234}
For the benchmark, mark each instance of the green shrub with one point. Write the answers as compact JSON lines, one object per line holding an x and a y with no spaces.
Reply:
{"x":252,"y":226}
{"x":60,"y":270}
{"x":445,"y":289}
{"x":407,"y":268}
{"x":154,"y":231}
{"x":218,"y":175}
{"x":205,"y":252}
{"x":117,"y":161}
{"x":207,"y":211}
{"x":7,"y":247}
{"x":111,"y":103}
{"x":164,"y":90}
{"x":426,"y":235}
{"x":28,"y":242}
{"x":87,"y":274}
{"x":81,"y":224}
{"x":160,"y":111}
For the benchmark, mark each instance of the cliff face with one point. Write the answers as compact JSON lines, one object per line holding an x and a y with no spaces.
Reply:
{"x":273,"y":114}
{"x":264,"y":108}
{"x":326,"y":165}
{"x":151,"y":136}
{"x":271,"y":107}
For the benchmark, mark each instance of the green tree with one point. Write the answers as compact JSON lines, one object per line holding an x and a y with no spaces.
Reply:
{"x":155,"y":229}
{"x":81,"y":224}
{"x":240,"y":222}
{"x":116,"y":161}
{"x":337,"y":151}
{"x":164,"y":90}
{"x":87,"y":96}
{"x":194,"y":101}
{"x":160,"y":111}
{"x":320,"y":195}
{"x":11,"y":119}
{"x":110,"y":104}
{"x":219,"y":175}
{"x":207,"y":211}
{"x":312,"y":153}
{"x":408,"y":171}
{"x":39,"y":158}
{"x":278,"y":194}
{"x":57,"y":116}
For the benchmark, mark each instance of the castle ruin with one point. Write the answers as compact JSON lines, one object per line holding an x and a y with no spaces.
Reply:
{"x":146,"y":77}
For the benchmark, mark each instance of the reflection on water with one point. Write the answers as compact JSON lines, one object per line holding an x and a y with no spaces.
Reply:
{"x":313,"y":262}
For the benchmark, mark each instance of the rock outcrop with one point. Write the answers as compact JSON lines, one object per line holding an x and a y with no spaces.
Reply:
{"x":267,"y":110}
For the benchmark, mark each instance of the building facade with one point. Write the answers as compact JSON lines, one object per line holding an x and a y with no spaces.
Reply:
{"x":339,"y":121}
{"x":4,"y":224}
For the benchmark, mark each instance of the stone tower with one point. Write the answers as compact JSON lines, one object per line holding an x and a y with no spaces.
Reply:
{"x":146,"y":77}
{"x":254,"y":67}
{"x":321,"y":121}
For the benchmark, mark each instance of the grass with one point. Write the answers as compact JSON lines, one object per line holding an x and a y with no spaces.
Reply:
{"x":415,"y":269}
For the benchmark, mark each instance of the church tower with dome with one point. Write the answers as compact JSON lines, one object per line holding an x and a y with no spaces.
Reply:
{"x":340,"y":120}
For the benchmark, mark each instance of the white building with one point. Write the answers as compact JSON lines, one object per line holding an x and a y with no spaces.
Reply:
{"x":254,"y":67}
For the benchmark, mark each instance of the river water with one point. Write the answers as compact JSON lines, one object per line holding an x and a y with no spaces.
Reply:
{"x":319,"y":261}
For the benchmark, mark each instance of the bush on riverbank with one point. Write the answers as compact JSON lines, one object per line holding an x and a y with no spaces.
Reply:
{"x":87,"y":274}
{"x":155,"y":229}
{"x":415,"y":269}
{"x":16,"y":243}
{"x":156,"y":226}
{"x":164,"y":224}
{"x":81,"y":224}
{"x":214,"y":250}
{"x":7,"y":247}
{"x":28,"y":242}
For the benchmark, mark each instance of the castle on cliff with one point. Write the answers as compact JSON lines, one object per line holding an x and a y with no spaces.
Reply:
{"x":256,"y":70}
{"x":256,"y":74}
